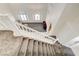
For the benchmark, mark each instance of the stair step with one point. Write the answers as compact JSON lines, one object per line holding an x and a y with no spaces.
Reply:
{"x":24,"y":46}
{"x":44,"y":49}
{"x":40,"y":49}
{"x":35,"y":52}
{"x":48,"y":51}
{"x":50,"y":48}
{"x":30,"y":48}
{"x":53,"y":50}
{"x":57,"y":49}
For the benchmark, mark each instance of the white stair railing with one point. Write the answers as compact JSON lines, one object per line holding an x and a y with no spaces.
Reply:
{"x":8,"y":23}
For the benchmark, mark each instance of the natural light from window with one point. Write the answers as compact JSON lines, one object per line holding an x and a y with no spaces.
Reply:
{"x":37,"y":17}
{"x":23,"y":17}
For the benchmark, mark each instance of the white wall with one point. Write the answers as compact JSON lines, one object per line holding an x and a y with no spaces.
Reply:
{"x":4,"y":9}
{"x":53,"y":14}
{"x":67,"y":27}
{"x":66,"y":24}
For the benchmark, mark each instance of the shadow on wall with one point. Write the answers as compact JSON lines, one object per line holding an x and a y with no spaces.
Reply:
{"x":68,"y":51}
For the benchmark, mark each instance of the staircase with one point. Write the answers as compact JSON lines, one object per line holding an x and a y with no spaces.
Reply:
{"x":19,"y":40}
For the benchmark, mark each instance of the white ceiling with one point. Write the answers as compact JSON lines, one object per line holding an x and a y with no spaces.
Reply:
{"x":28,"y":8}
{"x":25,"y":6}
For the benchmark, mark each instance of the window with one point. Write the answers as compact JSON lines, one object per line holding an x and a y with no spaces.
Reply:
{"x":37,"y":17}
{"x":23,"y":17}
